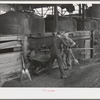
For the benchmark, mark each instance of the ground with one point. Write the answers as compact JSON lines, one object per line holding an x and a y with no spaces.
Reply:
{"x":87,"y":74}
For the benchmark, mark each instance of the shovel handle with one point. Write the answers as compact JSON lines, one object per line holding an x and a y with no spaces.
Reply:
{"x":72,"y":53}
{"x":23,"y":63}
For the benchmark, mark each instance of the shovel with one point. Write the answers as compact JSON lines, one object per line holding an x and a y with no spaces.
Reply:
{"x":75,"y":60}
{"x":25,"y":72}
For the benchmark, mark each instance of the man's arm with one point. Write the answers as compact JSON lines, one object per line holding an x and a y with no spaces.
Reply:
{"x":70,"y":42}
{"x":62,"y":40}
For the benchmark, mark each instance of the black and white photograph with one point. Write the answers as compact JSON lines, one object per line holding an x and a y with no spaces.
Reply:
{"x":50,"y":50}
{"x":50,"y":45}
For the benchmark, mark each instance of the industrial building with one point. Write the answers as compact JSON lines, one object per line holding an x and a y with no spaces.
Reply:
{"x":26,"y":32}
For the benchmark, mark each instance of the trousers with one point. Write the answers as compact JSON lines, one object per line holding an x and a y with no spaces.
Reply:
{"x":58,"y":56}
{"x":67,"y":58}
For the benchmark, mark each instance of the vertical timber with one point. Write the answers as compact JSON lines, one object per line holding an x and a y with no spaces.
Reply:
{"x":83,"y":16}
{"x":55,"y":18}
{"x":79,"y":9}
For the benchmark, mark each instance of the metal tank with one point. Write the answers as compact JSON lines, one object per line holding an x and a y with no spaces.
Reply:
{"x":64,"y":24}
{"x":14,"y":22}
{"x":96,"y":10}
{"x":90,"y":24}
{"x":96,"y":16}
{"x":96,"y":13}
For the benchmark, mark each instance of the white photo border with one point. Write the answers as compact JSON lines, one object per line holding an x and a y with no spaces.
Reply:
{"x":49,"y":93}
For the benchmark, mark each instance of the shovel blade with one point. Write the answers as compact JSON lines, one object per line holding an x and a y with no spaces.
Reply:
{"x":28,"y":74}
{"x":25,"y":75}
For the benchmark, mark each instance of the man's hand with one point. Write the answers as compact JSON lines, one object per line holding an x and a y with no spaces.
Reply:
{"x":75,"y":46}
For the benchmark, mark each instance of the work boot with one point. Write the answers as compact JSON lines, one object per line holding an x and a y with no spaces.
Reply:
{"x":69,"y":66}
{"x":63,"y":76}
{"x":66,"y":68}
{"x":62,"y":72}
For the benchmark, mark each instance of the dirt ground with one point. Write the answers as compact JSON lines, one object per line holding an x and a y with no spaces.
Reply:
{"x":87,"y":74}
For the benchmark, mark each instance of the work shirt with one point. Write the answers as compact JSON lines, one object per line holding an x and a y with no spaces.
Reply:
{"x":68,"y":41}
{"x":56,"y":44}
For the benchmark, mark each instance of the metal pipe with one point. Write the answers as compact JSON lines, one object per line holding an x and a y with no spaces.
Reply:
{"x":48,"y":8}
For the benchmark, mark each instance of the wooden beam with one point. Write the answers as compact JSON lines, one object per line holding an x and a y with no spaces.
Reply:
{"x":8,"y":64}
{"x":11,"y":44}
{"x":10,"y":68}
{"x":9,"y":57}
{"x":10,"y":38}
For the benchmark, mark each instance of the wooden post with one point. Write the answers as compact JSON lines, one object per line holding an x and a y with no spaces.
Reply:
{"x":92,"y":44}
{"x":52,"y":10}
{"x":83,"y":16}
{"x":55,"y":18}
{"x":61,"y":11}
{"x":79,"y":9}
{"x":25,"y":47}
{"x":42,"y":11}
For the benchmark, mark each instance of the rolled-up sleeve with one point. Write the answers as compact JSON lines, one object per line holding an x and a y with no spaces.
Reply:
{"x":68,"y":41}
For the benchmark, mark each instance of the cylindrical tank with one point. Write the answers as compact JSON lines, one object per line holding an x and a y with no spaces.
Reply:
{"x":96,"y":10}
{"x":90,"y":24}
{"x":89,"y":12}
{"x":96,"y":16}
{"x":64,"y":24}
{"x":96,"y":13}
{"x":21,"y":23}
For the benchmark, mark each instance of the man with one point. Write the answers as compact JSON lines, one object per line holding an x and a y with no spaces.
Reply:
{"x":56,"y":53}
{"x":67,"y":54}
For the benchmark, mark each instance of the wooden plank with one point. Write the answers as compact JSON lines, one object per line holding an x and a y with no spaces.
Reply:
{"x":87,"y":45}
{"x":6,"y":65}
{"x":78,"y":33}
{"x":10,"y":60}
{"x":9,"y":57}
{"x":11,"y":44}
{"x":11,"y":69}
{"x":82,"y":48}
{"x":80,"y":38}
{"x":10,"y":38}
